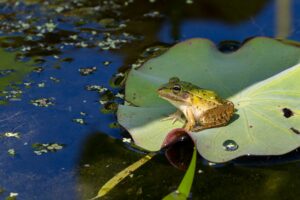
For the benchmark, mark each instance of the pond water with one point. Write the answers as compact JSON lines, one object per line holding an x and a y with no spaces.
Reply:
{"x":59,"y":138}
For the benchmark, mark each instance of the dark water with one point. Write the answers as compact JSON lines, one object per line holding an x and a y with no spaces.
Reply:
{"x":65,"y":38}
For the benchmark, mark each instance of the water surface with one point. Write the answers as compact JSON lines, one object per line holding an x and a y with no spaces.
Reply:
{"x":69,"y":144}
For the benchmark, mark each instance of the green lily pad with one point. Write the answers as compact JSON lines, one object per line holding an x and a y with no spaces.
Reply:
{"x":261,"y":79}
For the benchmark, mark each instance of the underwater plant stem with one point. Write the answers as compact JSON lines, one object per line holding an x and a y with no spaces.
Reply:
{"x":185,"y":186}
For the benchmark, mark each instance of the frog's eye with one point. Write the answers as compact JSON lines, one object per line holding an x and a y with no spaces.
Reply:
{"x":176,"y":89}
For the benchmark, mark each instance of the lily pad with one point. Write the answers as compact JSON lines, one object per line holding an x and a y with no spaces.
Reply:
{"x":261,"y":79}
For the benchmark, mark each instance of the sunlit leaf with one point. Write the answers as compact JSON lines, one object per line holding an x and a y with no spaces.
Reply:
{"x":259,"y":79}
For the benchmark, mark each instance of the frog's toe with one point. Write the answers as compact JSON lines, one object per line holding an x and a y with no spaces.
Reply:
{"x":174,"y":117}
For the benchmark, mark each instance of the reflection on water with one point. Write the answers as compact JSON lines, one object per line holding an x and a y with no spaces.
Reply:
{"x":283,"y":18}
{"x":82,"y":51}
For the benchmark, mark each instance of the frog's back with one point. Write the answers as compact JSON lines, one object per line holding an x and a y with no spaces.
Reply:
{"x":208,"y":95}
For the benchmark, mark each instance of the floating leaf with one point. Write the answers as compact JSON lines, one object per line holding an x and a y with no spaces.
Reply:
{"x":40,"y":148}
{"x":259,"y":79}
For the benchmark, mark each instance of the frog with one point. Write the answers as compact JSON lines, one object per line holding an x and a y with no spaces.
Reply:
{"x":201,"y":108}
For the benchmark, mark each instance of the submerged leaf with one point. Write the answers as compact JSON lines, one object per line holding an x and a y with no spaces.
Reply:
{"x":109,"y":185}
{"x":258,"y":78}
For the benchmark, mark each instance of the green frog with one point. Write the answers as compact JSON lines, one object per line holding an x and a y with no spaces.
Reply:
{"x":201,"y":108}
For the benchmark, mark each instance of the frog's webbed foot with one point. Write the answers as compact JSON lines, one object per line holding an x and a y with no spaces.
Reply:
{"x":177,"y":116}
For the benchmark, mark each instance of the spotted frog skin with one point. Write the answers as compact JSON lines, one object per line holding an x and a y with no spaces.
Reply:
{"x":202,"y":108}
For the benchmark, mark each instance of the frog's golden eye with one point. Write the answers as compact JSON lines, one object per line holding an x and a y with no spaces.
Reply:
{"x":176,"y":89}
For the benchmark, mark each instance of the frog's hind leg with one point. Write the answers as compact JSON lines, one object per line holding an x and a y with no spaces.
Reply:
{"x":177,"y":116}
{"x":216,"y":117}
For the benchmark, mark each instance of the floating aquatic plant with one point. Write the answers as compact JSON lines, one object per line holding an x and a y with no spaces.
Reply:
{"x":261,"y":79}
{"x":43,"y":102}
{"x":40,"y":148}
{"x":12,"y":73}
{"x":11,"y":152}
{"x":11,"y":135}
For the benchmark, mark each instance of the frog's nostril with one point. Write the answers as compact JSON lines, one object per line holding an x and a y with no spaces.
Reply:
{"x":160,"y":91}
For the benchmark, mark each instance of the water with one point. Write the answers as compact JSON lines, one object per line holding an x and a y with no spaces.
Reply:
{"x":64,"y":37}
{"x":230,"y":145}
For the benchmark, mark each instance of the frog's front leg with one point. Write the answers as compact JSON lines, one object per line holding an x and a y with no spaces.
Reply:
{"x":191,"y":122}
{"x":174,"y":117}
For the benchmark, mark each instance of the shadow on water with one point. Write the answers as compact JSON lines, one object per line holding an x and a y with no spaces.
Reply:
{"x":68,"y":144}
